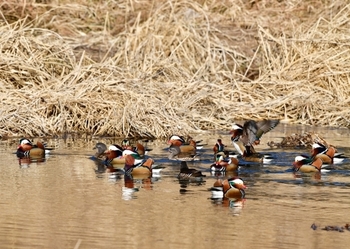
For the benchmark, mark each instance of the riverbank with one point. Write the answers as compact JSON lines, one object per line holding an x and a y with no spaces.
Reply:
{"x":153,"y":69}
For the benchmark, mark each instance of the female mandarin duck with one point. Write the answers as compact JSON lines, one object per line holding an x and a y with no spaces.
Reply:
{"x":251,"y":132}
{"x":244,"y":137}
{"x":181,"y":151}
{"x":187,"y":173}
{"x":248,"y":154}
{"x":224,"y":163}
{"x":233,"y":188}
{"x":27,"y":149}
{"x":307,"y":165}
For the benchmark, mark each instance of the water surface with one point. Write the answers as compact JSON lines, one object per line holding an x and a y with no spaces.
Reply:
{"x":63,"y":202}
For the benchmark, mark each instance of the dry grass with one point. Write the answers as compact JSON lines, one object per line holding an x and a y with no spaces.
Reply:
{"x":152,"y":68}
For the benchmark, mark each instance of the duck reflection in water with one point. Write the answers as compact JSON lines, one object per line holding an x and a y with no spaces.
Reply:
{"x":25,"y":162}
{"x":230,"y":193}
{"x":132,"y":185}
{"x":103,"y":170}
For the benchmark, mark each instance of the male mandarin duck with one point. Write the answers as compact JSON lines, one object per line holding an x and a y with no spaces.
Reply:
{"x":185,"y":147}
{"x":224,"y":163}
{"x":112,"y":155}
{"x":327,"y":155}
{"x":181,"y":151}
{"x":218,"y":147}
{"x":190,"y":141}
{"x":307,"y":165}
{"x":27,"y":149}
{"x":233,"y":188}
{"x":143,"y":169}
{"x":187,"y":173}
{"x":138,"y":148}
{"x":115,"y":154}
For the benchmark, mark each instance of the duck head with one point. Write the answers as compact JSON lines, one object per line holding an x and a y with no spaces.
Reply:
{"x":176,"y":140}
{"x":25,"y":144}
{"x":236,"y":183}
{"x":219,"y":146}
{"x":113,"y":151}
{"x":126,"y":145}
{"x":101,"y":148}
{"x":300,"y":161}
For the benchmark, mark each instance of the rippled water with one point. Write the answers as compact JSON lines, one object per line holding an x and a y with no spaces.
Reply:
{"x":63,"y":203}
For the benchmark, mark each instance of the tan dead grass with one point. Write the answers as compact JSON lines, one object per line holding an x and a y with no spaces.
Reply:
{"x":155,"y":68}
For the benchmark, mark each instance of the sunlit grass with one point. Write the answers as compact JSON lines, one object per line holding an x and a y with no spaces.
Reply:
{"x":152,"y":68}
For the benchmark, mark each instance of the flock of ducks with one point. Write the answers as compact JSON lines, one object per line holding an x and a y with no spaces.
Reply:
{"x":133,"y":162}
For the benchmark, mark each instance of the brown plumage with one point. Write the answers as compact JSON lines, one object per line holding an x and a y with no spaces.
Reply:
{"x":307,"y":165}
{"x":251,"y":131}
{"x":245,"y":137}
{"x":186,"y":173}
{"x":144,"y":168}
{"x":179,"y":150}
{"x":233,"y":188}
{"x":27,"y":149}
{"x":224,"y":163}
{"x":322,"y":152}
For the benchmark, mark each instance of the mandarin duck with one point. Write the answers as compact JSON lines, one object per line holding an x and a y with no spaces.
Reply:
{"x":138,"y":148}
{"x":115,"y":154}
{"x":224,"y":163}
{"x":27,"y":149}
{"x":134,"y":169}
{"x":181,"y":151}
{"x":248,"y":154}
{"x":245,"y":137}
{"x":251,"y":131}
{"x":187,"y":173}
{"x":306,"y":164}
{"x":327,"y":155}
{"x":218,"y":147}
{"x":232,"y":188}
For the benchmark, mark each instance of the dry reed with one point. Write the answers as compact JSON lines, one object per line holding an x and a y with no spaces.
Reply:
{"x":134,"y":69}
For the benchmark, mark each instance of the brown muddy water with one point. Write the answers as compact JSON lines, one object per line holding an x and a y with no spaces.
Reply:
{"x":64,"y":203}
